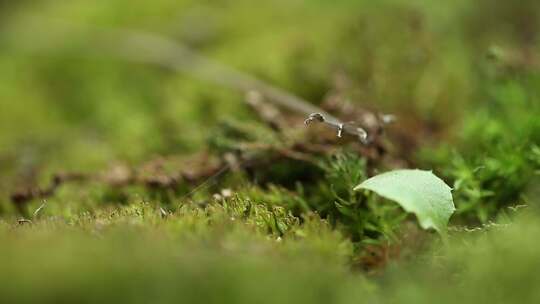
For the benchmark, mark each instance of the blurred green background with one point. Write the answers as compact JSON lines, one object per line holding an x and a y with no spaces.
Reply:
{"x":62,"y":93}
{"x":467,"y":71}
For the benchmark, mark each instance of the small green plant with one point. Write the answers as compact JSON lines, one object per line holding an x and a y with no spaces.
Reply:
{"x":361,"y":216}
{"x":417,"y":191}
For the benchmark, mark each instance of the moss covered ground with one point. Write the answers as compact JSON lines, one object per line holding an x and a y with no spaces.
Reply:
{"x":125,"y":179}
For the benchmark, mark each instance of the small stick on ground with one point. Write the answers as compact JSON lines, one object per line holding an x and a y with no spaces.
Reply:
{"x":349,"y":128}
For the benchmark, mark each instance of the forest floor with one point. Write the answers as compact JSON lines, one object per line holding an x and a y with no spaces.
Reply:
{"x":158,"y":152}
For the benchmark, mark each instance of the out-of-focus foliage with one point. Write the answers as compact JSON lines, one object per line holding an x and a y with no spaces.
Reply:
{"x":462,"y":77}
{"x":497,"y":158}
{"x":145,"y":257}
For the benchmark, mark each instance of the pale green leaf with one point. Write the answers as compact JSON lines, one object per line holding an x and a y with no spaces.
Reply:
{"x":417,"y":191}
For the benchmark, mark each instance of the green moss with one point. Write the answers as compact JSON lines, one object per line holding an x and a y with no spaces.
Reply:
{"x":462,"y":78}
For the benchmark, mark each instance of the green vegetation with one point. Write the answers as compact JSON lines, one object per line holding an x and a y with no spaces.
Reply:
{"x":133,"y":172}
{"x":417,"y":191}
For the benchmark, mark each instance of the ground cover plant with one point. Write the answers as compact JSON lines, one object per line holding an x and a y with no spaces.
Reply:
{"x":269,"y":152}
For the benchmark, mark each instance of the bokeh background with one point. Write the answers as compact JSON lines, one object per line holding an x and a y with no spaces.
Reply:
{"x":63,"y":93}
{"x":461,"y":76}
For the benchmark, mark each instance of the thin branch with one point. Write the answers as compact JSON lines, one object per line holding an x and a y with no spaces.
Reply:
{"x":350,"y":128}
{"x":155,"y":49}
{"x":144,"y":47}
